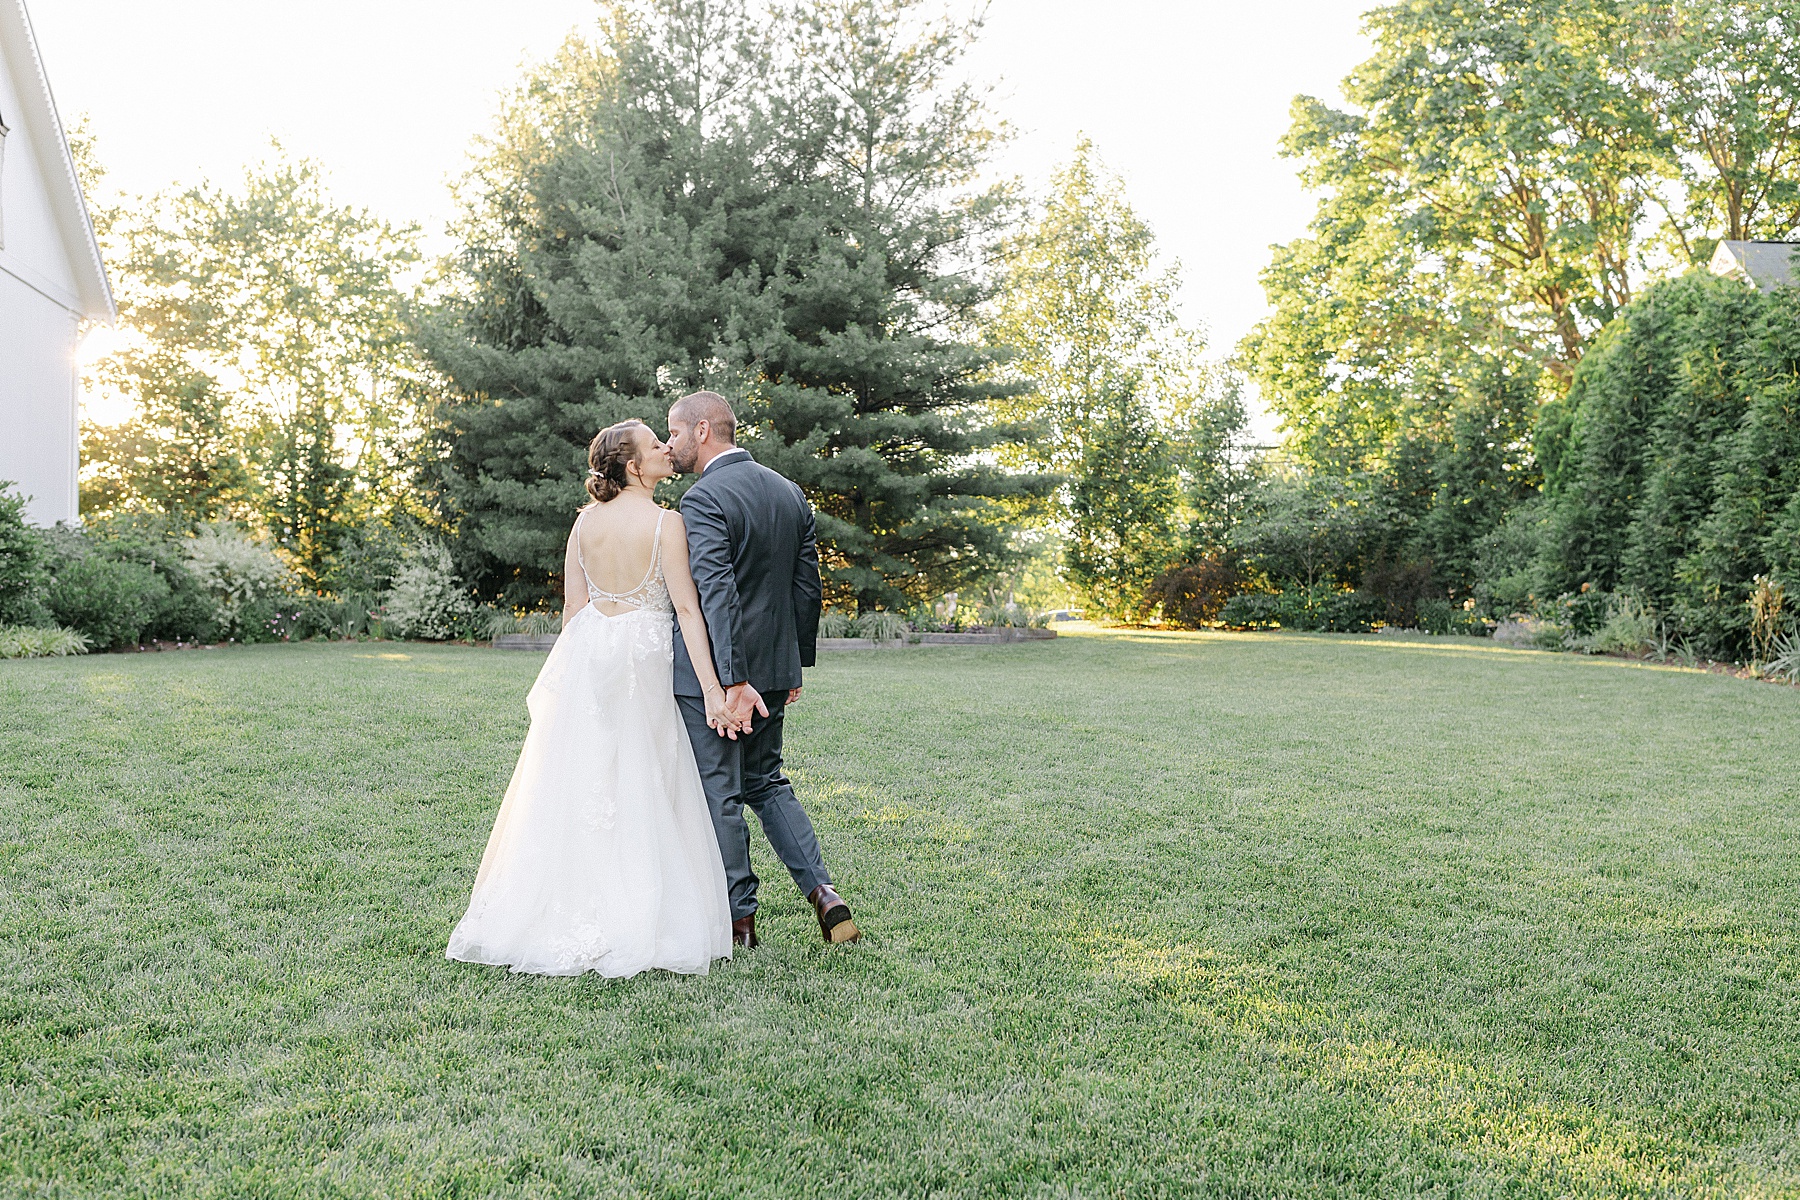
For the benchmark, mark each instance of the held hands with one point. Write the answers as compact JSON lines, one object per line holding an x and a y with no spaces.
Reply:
{"x":742,"y":704}
{"x":718,"y":713}
{"x":732,"y":710}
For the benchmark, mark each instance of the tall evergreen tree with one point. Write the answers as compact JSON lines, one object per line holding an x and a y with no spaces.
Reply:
{"x":1672,"y":468}
{"x":774,"y":204}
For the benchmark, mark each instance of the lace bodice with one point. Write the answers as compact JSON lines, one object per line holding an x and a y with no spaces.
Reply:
{"x":651,"y":595}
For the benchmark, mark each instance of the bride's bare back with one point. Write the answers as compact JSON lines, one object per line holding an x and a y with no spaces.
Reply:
{"x":617,"y":544}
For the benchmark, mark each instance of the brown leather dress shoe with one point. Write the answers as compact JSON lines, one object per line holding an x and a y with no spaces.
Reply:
{"x":743,"y":932}
{"x":834,"y":915}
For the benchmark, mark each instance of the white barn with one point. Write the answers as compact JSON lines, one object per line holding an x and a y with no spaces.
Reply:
{"x":51,"y":281}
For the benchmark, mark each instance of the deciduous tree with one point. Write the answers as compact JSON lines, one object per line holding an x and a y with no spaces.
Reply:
{"x":268,"y":352}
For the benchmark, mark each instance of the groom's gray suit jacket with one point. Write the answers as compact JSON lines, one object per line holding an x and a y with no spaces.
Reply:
{"x":751,"y":544}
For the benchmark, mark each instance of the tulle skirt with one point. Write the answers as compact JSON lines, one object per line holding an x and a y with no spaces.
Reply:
{"x":603,"y":857}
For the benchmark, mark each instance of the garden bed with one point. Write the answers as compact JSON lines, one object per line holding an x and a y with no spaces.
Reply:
{"x":541,"y":642}
{"x":989,"y":637}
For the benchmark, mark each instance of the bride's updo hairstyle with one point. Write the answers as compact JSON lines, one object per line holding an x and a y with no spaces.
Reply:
{"x":612,"y":449}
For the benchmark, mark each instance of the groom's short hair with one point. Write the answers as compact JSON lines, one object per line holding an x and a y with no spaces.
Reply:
{"x":712,"y":408}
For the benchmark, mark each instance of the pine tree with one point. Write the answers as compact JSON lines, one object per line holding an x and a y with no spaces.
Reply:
{"x":770,"y":205}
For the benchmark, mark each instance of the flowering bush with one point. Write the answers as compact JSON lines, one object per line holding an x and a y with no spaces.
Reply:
{"x":235,"y":570}
{"x":427,"y":599}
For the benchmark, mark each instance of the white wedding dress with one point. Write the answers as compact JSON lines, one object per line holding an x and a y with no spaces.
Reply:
{"x":603,"y":857}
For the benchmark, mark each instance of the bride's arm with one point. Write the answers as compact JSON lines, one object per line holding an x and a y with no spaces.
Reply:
{"x":686,"y":599}
{"x":575,"y":595}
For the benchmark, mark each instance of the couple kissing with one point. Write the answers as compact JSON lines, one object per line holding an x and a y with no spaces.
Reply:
{"x":622,"y":845}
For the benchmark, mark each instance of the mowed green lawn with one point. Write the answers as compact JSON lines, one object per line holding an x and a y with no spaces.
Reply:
{"x":1147,"y":915}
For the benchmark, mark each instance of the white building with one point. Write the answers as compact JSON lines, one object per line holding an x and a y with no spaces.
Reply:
{"x":1768,"y":265}
{"x":51,"y":281}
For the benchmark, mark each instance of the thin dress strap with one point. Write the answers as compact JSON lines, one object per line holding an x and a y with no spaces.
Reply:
{"x":655,"y":548}
{"x":579,"y":559}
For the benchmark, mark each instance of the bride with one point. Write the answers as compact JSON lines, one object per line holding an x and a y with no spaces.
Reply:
{"x":603,"y":856}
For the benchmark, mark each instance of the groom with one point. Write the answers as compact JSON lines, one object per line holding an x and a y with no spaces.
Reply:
{"x":750,"y":544}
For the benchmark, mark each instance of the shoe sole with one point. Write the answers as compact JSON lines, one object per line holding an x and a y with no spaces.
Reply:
{"x":843,"y":931}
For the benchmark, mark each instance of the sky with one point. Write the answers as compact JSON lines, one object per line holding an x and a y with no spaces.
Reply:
{"x":1186,"y":100}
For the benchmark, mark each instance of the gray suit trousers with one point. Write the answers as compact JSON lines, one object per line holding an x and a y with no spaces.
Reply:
{"x":748,"y":772}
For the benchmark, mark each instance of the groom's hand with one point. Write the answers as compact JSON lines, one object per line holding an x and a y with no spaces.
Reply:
{"x":744,"y":702}
{"x":794,"y":695}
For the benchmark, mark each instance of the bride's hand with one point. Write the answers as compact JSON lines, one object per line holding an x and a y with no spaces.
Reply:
{"x":718,"y":714}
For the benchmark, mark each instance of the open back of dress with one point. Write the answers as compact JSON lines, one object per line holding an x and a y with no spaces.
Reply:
{"x":650,"y":595}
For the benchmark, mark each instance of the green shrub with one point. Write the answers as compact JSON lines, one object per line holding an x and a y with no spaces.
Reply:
{"x":1550,"y":636}
{"x":110,"y":601}
{"x":1577,"y":614}
{"x":1506,"y":562}
{"x":1252,"y":610}
{"x":882,"y":626}
{"x":922,"y":620}
{"x":346,"y":616}
{"x":1445,"y":616}
{"x":368,"y":562}
{"x":1629,"y":628}
{"x":350,"y":615}
{"x":1317,"y":609}
{"x":26,"y":641}
{"x":834,"y":624}
{"x":309,"y":615}
{"x":264,"y":619}
{"x":1437,"y":616}
{"x":1329,"y":609}
{"x":1349,"y":612}
{"x":23,"y":559}
{"x":190,"y":614}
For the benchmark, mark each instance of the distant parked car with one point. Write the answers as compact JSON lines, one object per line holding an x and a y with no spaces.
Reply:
{"x":1062,"y":614}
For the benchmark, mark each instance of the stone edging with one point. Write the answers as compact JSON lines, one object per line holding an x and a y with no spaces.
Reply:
{"x":525,"y":641}
{"x":995,"y":637}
